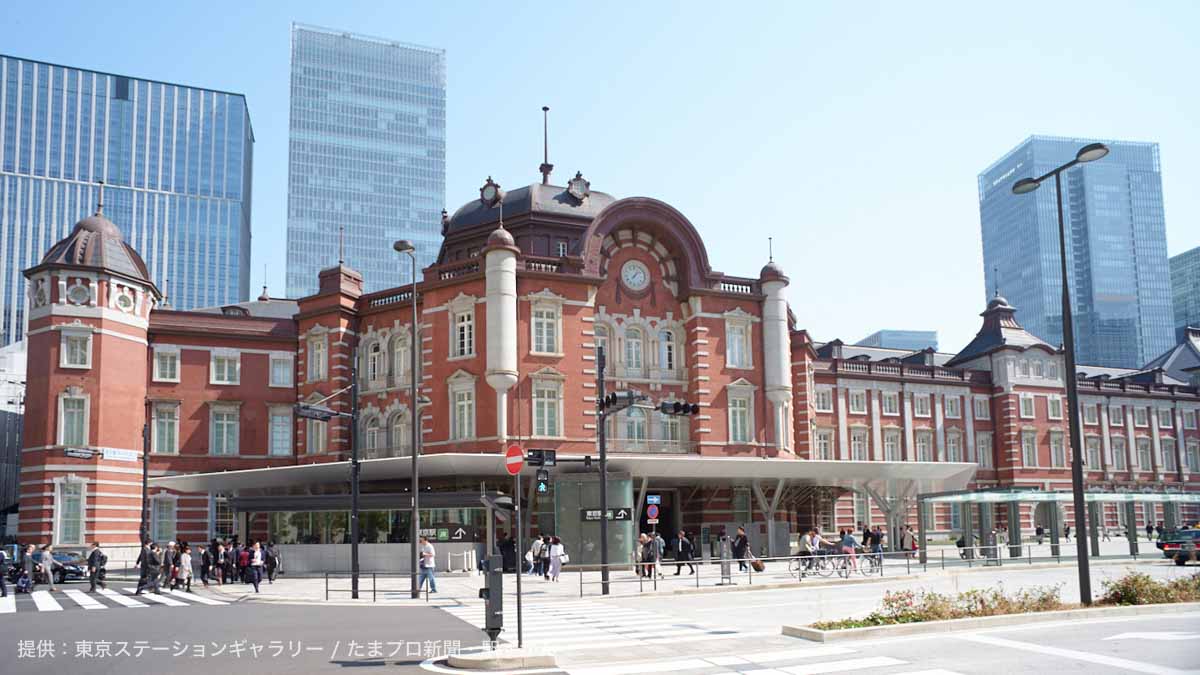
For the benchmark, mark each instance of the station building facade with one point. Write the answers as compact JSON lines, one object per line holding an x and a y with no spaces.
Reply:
{"x":791,"y":432}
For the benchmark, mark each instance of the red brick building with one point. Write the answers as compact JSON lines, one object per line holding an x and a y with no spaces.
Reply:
{"x":511,"y":319}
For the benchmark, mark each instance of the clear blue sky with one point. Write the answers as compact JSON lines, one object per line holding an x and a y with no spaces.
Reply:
{"x":851,"y":132}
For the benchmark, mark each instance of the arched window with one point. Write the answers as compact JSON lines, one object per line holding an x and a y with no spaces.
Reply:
{"x":400,"y":357}
{"x":401,"y":437}
{"x":601,"y":340}
{"x":666,"y":350}
{"x":375,"y":362}
{"x":635,"y":426}
{"x":633,"y":349}
{"x":372,"y":437}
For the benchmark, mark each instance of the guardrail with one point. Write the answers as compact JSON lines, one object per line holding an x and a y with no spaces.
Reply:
{"x":375,"y":589}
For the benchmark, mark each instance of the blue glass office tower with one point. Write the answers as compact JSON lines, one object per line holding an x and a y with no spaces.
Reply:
{"x":175,"y":161}
{"x":1185,"y":290}
{"x":914,"y":340}
{"x":1116,"y":248}
{"x":366,"y":152}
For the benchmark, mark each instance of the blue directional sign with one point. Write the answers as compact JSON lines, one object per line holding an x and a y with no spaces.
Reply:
{"x":654,"y":499}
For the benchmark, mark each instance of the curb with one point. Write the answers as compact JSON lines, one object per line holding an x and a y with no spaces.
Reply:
{"x":979,"y":623}
{"x":501,"y":659}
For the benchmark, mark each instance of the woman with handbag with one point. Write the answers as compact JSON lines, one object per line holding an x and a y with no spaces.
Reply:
{"x":558,"y":556}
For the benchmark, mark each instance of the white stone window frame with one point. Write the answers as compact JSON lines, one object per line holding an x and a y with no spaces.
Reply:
{"x":953,"y":412}
{"x":1052,"y":402}
{"x":290,"y":369}
{"x":78,"y":299}
{"x":740,"y":390}
{"x":1189,"y":419}
{"x":737,"y":322}
{"x":316,"y":437}
{"x":954,"y":436}
{"x":399,"y":349}
{"x":1145,"y":415}
{"x":930,"y":451}
{"x":155,"y":445}
{"x":1166,"y":418}
{"x":1032,"y":412}
{"x":825,"y":393}
{"x":890,"y":399}
{"x":895,"y":438}
{"x":983,"y":408}
{"x":273,"y":412}
{"x":860,"y":434}
{"x":1058,"y":449}
{"x":830,"y":451}
{"x":316,"y":370}
{"x":215,"y":407}
{"x":1120,"y":446}
{"x":461,"y":311}
{"x":462,"y":382}
{"x":861,"y":395}
{"x":553,"y":305}
{"x":161,"y":498}
{"x":1166,"y":460}
{"x":1141,"y":443}
{"x":547,"y":379}
{"x":1091,"y":443}
{"x":67,"y":333}
{"x":59,"y":509}
{"x":984,"y":447}
{"x":74,"y":393}
{"x":1030,"y":453}
{"x":1091,"y":413}
{"x":399,"y":431}
{"x":175,"y":353}
{"x":1192,"y":456}
{"x":223,"y":354}
{"x":1052,"y":369}
{"x":922,"y":411}
{"x":1117,"y":418}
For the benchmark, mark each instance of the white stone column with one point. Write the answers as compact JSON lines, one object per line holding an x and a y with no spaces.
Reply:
{"x":1106,"y":442}
{"x":909,"y":445}
{"x":1155,"y":444}
{"x":777,"y":366}
{"x":500,"y":274}
{"x":876,"y":432}
{"x":968,"y":411}
{"x":939,"y":425}
{"x":843,"y":429}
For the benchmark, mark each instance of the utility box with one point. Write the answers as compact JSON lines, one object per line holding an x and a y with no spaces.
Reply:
{"x":492,"y":595}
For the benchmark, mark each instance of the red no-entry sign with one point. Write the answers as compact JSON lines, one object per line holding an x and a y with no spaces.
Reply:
{"x":514,"y":460}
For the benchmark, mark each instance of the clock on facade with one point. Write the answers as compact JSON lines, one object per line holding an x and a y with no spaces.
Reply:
{"x":635,"y":275}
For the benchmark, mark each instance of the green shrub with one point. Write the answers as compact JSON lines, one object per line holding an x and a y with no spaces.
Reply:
{"x":911,"y":607}
{"x":1138,"y":588}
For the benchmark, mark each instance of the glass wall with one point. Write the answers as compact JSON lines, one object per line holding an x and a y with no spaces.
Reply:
{"x":377,"y":527}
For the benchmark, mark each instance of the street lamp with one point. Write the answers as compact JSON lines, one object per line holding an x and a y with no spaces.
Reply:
{"x":406,"y":246}
{"x":1088,"y":153}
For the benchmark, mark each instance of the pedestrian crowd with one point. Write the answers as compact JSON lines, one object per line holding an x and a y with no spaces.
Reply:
{"x":221,"y":561}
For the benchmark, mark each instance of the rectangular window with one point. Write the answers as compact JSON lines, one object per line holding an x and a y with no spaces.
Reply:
{"x":69,"y":513}
{"x":318,"y":352}
{"x":739,"y":420}
{"x":736,"y":351}
{"x":1118,"y":451}
{"x":1140,"y":417}
{"x":1023,"y":368}
{"x":463,"y":420}
{"x":824,"y":444}
{"x":1090,"y":415}
{"x":281,"y":371}
{"x":1027,"y":406}
{"x":924,"y":446}
{"x":1052,"y":370}
{"x":464,"y":334}
{"x":858,"y":402}
{"x":1029,"y":448}
{"x":669,"y":426}
{"x":1145,"y":454}
{"x":953,"y":407}
{"x":163,"y":525}
{"x":1093,"y":453}
{"x":225,"y":369}
{"x":545,"y":331}
{"x":316,"y":435}
{"x":561,"y":248}
{"x":1058,"y":452}
{"x":983,"y":448}
{"x":166,"y":429}
{"x":982,"y":409}
{"x":1116,"y":416}
{"x":954,"y":447}
{"x":166,"y":366}
{"x":1054,"y":407}
{"x":76,"y":350}
{"x":223,"y":524}
{"x":1193,"y":457}
{"x":921,"y":405}
{"x":1189,"y":419}
{"x":1166,"y":418}
{"x":74,"y":422}
{"x":891,"y":446}
{"x":281,"y":432}
{"x":862,"y":510}
{"x":546,"y":404}
{"x":891,"y":403}
{"x":823,"y":401}
{"x":223,"y":438}
{"x":1167,"y":447}
{"x":858,"y":445}
{"x":1038,"y":369}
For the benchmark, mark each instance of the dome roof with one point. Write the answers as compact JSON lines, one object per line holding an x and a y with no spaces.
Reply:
{"x":550,"y":200}
{"x":97,"y":243}
{"x":772,"y":270}
{"x":500,"y":237}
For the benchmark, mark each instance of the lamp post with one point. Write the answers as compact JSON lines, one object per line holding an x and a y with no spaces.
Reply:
{"x":1088,"y":153}
{"x":406,"y":246}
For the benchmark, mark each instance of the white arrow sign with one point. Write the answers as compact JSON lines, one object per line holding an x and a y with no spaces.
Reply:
{"x":1161,"y":635}
{"x":459,"y":533}
{"x":621,"y":513}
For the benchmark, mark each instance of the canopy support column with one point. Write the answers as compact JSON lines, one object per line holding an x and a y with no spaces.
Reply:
{"x":641,"y":500}
{"x":1170,"y":516}
{"x":966,"y":515}
{"x":1055,"y":528}
{"x":1131,"y":528}
{"x":768,"y":509}
{"x":1014,"y":529}
{"x":1094,"y":510}
{"x":921,"y":528}
{"x":527,"y":515}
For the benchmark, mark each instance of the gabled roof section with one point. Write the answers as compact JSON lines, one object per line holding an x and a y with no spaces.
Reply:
{"x":1000,"y":330}
{"x":1177,"y":361}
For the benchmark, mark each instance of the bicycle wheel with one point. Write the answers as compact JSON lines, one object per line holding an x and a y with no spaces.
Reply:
{"x":868,"y":565}
{"x":823,"y":567}
{"x":796,"y":568}
{"x":844,"y":569}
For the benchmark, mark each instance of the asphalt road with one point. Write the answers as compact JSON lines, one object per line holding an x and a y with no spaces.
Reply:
{"x":265,"y":638}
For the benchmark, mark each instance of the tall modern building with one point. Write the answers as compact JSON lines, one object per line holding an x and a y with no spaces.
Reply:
{"x":1185,"y":291}
{"x":1116,"y":248}
{"x":175,"y":161}
{"x":915,"y":340}
{"x":366,"y":157}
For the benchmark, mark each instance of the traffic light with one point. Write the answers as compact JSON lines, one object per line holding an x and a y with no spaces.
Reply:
{"x":679,"y":408}
{"x":619,"y":400}
{"x":536,"y":457}
{"x":543,"y":481}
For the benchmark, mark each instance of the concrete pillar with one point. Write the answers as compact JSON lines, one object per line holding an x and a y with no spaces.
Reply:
{"x":921,"y":529}
{"x":1131,"y":528}
{"x":500,"y":274}
{"x":1014,"y":529}
{"x":1055,"y":528}
{"x":1094,"y":511}
{"x":777,"y":366}
{"x":965,"y":520}
{"x":984,"y":528}
{"x":1170,"y":515}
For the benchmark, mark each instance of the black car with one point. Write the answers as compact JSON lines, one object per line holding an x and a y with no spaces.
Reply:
{"x":1171,"y":541}
{"x":1187,"y":552}
{"x":72,"y":567}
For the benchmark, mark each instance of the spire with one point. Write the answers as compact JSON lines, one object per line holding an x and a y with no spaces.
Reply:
{"x":166,"y":301}
{"x":264,"y":297}
{"x":341,"y":245}
{"x":546,"y":166}
{"x":996,"y":281}
{"x":770,"y":249}
{"x":100,"y":198}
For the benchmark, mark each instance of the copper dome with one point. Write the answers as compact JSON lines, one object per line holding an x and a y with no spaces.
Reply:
{"x":95,"y":242}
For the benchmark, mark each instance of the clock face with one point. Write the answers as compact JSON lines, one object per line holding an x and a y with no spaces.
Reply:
{"x":635,"y":275}
{"x":489,"y":192}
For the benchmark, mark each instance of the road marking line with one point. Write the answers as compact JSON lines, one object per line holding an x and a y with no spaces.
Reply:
{"x":161,"y":599}
{"x":842,"y":666}
{"x":643,"y":667}
{"x":935,"y":671}
{"x":45,"y":602}
{"x":83,"y":600}
{"x":1112,"y":661}
{"x":8,"y":604}
{"x":196,"y":598}
{"x":787,"y":654}
{"x":120,"y":599}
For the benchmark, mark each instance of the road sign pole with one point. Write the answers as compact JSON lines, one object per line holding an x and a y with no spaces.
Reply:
{"x":601,"y":439}
{"x":520,"y":554}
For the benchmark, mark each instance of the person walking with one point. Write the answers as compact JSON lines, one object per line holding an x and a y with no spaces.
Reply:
{"x":850,"y":548}
{"x":243,"y":562}
{"x":4,"y":566}
{"x":660,"y":549}
{"x":220,"y":559}
{"x":274,"y":562}
{"x":29,"y":568}
{"x":1040,"y":534}
{"x":683,"y":553}
{"x":168,"y":566}
{"x":255,"y":562}
{"x":535,"y":556}
{"x":152,"y":568}
{"x":646,"y":553}
{"x":558,"y":555}
{"x":544,"y":557}
{"x":50,"y":565}
{"x":427,"y":563}
{"x":184,"y":575}
{"x":140,"y":563}
{"x":739,"y":547}
{"x":1149,"y":532}
{"x":97,"y":560}
{"x":206,"y":561}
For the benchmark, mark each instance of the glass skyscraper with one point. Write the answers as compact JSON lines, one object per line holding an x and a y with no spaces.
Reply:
{"x":367,"y":153}
{"x":1185,"y":290}
{"x":175,"y":161}
{"x":1116,"y":248}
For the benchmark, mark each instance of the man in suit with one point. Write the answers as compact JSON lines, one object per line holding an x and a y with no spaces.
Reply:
{"x":152,"y":566}
{"x":739,"y":547}
{"x":684,"y":550}
{"x":168,"y":565}
{"x":97,"y":560}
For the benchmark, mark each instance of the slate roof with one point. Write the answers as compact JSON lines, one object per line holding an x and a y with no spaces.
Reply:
{"x":550,"y":200}
{"x":1177,"y":361}
{"x":96,"y":243}
{"x":1000,"y":329}
{"x":274,"y":308}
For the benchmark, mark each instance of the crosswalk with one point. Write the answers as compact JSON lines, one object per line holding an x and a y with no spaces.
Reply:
{"x":812,"y":660}
{"x":108,"y":598}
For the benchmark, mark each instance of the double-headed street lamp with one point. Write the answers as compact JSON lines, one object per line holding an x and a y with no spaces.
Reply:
{"x":1088,"y":153}
{"x":406,"y":246}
